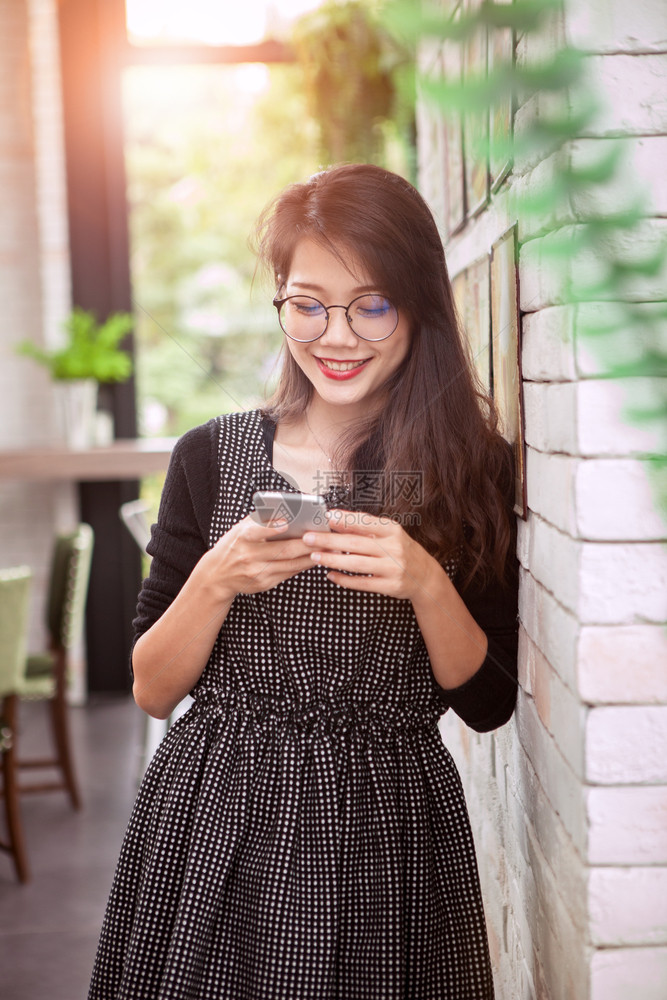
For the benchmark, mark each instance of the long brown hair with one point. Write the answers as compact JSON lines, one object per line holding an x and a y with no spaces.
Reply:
{"x":436,"y":418}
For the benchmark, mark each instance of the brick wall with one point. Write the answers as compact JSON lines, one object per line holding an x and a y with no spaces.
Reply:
{"x":569,"y":800}
{"x":34,"y":278}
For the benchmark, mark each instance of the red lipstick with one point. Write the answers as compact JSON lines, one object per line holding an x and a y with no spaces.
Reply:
{"x":338,"y":375}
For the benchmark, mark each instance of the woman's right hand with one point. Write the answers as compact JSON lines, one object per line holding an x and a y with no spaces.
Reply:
{"x":252,"y":557}
{"x":169,"y":658}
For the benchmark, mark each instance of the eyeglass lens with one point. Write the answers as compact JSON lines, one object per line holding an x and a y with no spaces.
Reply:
{"x":372,"y":317}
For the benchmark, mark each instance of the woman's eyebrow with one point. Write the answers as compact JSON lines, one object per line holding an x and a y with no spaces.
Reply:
{"x":311,"y":287}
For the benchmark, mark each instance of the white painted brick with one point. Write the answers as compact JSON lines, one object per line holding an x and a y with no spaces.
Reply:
{"x":550,"y":488}
{"x":529,"y":656}
{"x":561,"y":786}
{"x":628,"y":906}
{"x":633,"y":92}
{"x":646,"y":155}
{"x":626,"y":825}
{"x":529,"y":155}
{"x":627,"y":745}
{"x":564,"y":719}
{"x":615,"y":500}
{"x":594,"y":417}
{"x":551,"y":416}
{"x":531,"y":187}
{"x":623,"y":664}
{"x":623,"y":583}
{"x":546,"y":906}
{"x":635,"y":244}
{"x":547,"y":345}
{"x":552,"y":557}
{"x":639,"y":173}
{"x":616,"y":25}
{"x":606,"y":425}
{"x":598,"y":353}
{"x":542,"y":281}
{"x":528,"y":808}
{"x":554,"y":271}
{"x":628,"y":973}
{"x":636,"y":180}
{"x":551,"y":627}
{"x":558,"y":939}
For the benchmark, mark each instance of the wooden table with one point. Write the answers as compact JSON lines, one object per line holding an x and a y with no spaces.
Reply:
{"x":124,"y":459}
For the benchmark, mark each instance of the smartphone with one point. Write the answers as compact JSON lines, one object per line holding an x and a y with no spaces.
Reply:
{"x":302,"y":511}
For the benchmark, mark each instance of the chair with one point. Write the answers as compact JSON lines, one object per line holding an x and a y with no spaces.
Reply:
{"x":133,"y":514}
{"x":14,"y":594}
{"x":46,"y":673}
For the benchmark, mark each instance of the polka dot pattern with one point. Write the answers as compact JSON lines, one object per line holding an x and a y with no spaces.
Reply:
{"x":301,"y":833}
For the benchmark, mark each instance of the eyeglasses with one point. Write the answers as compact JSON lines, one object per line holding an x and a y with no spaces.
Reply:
{"x":303,"y":318}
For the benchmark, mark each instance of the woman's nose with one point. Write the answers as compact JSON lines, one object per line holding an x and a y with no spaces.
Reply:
{"x":339,"y":331}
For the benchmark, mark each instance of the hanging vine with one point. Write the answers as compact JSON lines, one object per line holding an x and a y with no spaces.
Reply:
{"x":596,"y":252}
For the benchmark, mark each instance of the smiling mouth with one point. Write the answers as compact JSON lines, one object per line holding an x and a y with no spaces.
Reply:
{"x":342,"y":366}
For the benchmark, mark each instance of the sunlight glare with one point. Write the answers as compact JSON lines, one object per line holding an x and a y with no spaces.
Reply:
{"x":211,"y":22}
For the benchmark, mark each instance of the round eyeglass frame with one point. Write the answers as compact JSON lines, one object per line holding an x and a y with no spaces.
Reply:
{"x":279,"y":303}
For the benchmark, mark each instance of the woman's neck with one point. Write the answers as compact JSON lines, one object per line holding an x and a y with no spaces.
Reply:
{"x":326,"y":426}
{"x":308,"y":448}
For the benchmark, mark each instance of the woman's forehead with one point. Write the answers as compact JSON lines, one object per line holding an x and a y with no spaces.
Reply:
{"x":312,"y":256}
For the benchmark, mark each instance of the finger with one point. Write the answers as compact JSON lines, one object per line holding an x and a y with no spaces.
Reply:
{"x":370,"y":584}
{"x":359,"y":522}
{"x":288,"y":567}
{"x":268,"y":575}
{"x":351,"y":562}
{"x":255,"y":531}
{"x":338,"y":542}
{"x":283,"y":550}
{"x":287,"y":573}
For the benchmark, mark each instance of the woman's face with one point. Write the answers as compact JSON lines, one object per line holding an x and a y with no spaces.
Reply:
{"x":343,"y":369}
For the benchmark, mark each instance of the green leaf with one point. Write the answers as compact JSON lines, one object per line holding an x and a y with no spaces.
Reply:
{"x":91,"y":351}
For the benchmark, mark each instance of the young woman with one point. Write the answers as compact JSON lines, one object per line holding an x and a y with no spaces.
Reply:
{"x":301,"y":833}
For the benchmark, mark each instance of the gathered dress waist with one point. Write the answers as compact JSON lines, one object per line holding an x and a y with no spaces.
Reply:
{"x":323,"y":717}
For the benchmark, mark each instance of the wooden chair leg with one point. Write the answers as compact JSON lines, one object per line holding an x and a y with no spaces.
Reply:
{"x":60,"y":724}
{"x":10,"y":789}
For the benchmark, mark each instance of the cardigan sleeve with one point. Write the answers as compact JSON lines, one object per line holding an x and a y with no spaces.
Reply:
{"x":487,"y":699}
{"x":180,"y":537}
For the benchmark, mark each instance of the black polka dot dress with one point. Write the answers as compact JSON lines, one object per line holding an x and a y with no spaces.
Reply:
{"x":301,"y":833}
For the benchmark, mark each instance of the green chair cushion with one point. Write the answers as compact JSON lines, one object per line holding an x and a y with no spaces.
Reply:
{"x":39,"y":665}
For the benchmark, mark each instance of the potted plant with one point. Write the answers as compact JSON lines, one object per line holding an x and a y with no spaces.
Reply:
{"x":89,"y":356}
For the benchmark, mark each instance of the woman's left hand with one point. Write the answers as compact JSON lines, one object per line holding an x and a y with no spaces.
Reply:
{"x":391,"y":562}
{"x":386,"y":558}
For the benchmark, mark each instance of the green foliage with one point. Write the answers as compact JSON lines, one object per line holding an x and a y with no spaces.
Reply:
{"x":596,"y":253}
{"x":91,"y":350}
{"x":354,"y":73}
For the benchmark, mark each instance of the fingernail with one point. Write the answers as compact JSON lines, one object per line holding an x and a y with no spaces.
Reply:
{"x":310,"y":538}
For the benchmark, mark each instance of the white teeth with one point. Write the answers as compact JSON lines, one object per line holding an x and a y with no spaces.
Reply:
{"x":341,"y":366}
